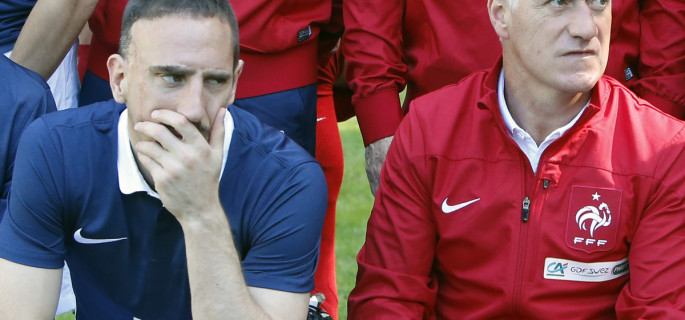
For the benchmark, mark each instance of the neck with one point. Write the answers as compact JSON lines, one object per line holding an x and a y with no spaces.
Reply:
{"x":540,"y":112}
{"x":133,"y":137}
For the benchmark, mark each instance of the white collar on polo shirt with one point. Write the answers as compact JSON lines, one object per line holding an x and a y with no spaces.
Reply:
{"x":130,"y":178}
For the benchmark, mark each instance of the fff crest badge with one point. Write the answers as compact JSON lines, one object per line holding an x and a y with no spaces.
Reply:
{"x":593,"y":218}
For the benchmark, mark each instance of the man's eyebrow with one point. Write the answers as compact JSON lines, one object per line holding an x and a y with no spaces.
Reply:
{"x":178,"y":70}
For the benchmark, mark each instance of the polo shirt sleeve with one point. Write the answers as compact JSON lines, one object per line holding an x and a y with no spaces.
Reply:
{"x":28,"y":108}
{"x":286,"y":228}
{"x":31,"y":229}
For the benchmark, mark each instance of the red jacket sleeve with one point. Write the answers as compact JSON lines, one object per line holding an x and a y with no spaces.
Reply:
{"x":662,"y":55}
{"x":656,"y":289}
{"x":372,"y":46}
{"x":394,"y":280}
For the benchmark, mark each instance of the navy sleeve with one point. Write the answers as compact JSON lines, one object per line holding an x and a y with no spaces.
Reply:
{"x":13,"y":126}
{"x":285,"y":239}
{"x":30,"y":231}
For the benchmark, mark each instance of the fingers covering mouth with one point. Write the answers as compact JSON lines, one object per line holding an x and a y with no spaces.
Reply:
{"x":174,"y":132}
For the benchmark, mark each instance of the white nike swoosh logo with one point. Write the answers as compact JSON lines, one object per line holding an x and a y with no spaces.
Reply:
{"x":319,"y":119}
{"x":80,"y":239}
{"x":446,"y":208}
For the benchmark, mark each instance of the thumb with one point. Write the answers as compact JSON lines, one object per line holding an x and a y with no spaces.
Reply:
{"x":216,"y":137}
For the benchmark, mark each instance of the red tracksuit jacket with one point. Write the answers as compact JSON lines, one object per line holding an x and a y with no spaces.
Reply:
{"x":427,"y":44}
{"x":463,"y":229}
{"x":277,"y":38}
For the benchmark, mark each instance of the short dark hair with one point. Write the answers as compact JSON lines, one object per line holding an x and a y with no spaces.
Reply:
{"x":150,"y":9}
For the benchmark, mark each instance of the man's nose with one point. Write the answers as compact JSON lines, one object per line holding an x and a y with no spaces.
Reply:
{"x":192,"y":104}
{"x":582,"y":22}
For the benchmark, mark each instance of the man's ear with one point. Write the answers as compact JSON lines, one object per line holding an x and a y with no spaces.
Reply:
{"x":236,"y":74}
{"x":117,"y":77}
{"x":498,"y":11}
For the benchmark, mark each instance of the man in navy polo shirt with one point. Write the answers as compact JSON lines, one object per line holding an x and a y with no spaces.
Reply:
{"x":172,"y":206}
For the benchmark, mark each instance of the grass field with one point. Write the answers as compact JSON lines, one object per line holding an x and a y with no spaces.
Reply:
{"x":354,"y":207}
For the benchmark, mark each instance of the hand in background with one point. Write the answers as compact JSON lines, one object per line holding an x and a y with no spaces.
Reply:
{"x":375,"y":156}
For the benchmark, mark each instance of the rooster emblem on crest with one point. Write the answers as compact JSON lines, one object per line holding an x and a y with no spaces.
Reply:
{"x":599,"y":217}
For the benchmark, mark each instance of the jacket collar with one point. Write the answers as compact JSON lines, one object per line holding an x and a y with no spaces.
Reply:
{"x":489,"y":101}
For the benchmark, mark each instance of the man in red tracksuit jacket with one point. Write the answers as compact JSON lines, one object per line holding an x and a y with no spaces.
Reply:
{"x":427,"y":44}
{"x":535,"y":190}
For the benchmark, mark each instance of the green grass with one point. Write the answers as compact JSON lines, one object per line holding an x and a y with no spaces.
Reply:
{"x":65,"y":316}
{"x":354,"y":206}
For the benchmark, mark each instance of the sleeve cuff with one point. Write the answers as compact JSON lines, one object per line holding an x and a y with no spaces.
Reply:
{"x":378,"y":115}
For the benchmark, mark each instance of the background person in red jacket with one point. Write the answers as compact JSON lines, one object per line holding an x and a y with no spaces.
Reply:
{"x":538,"y":189}
{"x":427,"y":44}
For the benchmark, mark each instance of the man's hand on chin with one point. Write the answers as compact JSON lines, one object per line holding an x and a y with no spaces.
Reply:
{"x":184,"y":165}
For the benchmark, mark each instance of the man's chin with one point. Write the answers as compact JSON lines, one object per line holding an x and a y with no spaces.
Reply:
{"x":581,"y":81}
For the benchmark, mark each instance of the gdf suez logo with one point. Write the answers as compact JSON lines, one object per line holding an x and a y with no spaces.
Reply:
{"x":593,"y":218}
{"x":570,"y":270}
{"x":556,"y":269}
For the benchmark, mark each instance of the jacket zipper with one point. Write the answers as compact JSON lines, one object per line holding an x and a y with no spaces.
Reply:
{"x":525,"y":211}
{"x":522,"y":249}
{"x":523,"y":237}
{"x":523,"y":245}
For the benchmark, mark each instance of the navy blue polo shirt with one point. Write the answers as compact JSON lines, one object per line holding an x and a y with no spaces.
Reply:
{"x":24,"y":96}
{"x":13,"y":14}
{"x":66,"y":194}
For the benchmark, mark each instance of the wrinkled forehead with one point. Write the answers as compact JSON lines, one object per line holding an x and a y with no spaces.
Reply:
{"x":182,"y":33}
{"x":178,"y":22}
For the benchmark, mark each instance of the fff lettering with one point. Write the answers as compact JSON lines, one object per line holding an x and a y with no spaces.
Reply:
{"x":589,"y":241}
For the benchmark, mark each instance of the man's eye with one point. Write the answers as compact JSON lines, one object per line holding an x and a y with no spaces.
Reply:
{"x":215,"y":81}
{"x":598,"y":4}
{"x":172,"y":78}
{"x":558,"y":3}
